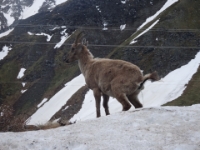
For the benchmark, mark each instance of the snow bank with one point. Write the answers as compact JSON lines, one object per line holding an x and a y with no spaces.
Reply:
{"x":43,"y":114}
{"x":163,"y":128}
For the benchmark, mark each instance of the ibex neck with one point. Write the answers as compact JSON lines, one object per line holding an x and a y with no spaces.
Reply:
{"x":84,"y":61}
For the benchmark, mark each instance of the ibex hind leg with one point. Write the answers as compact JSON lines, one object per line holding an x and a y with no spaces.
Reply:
{"x":124,"y":101}
{"x":97,"y":95}
{"x":133,"y":98}
{"x":105,"y":104}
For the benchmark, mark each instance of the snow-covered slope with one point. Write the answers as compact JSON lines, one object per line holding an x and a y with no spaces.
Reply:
{"x":44,"y":114}
{"x":166,"y":128}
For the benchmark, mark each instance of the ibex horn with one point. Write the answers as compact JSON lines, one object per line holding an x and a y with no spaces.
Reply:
{"x":78,"y":37}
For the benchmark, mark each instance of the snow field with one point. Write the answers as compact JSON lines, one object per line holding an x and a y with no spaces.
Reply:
{"x":163,"y":128}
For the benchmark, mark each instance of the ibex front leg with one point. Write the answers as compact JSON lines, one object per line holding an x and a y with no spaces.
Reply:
{"x":97,"y":95}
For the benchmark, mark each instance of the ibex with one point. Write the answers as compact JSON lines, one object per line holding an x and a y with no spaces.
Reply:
{"x":108,"y":77}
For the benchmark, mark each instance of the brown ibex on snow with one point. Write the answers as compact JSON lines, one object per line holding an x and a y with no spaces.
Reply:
{"x":107,"y":77}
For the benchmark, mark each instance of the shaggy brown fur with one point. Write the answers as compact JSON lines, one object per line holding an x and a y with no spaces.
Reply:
{"x":107,"y":77}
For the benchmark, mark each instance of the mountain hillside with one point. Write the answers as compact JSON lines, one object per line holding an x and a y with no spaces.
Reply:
{"x":130,"y":30}
{"x":11,"y":11}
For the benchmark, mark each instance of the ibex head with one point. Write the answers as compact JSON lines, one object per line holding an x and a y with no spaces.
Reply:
{"x":76,"y":48}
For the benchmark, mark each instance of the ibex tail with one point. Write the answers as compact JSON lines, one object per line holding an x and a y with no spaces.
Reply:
{"x":151,"y":76}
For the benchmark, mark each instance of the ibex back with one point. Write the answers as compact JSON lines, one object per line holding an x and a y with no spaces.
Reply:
{"x":107,"y":77}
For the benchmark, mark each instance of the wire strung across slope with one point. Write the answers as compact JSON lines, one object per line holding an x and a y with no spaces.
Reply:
{"x":99,"y":45}
{"x":110,"y":28}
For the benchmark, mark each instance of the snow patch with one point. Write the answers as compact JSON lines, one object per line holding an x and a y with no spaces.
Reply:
{"x":123,"y":1}
{"x":145,"y":31}
{"x":65,"y":108}
{"x":43,"y":34}
{"x":47,"y":35}
{"x":133,"y":42}
{"x":105,"y":24}
{"x":63,"y":39}
{"x":21,"y":73}
{"x":23,"y":91}
{"x":4,"y":52}
{"x":23,"y":84}
{"x":30,"y":33}
{"x":122,"y":27}
{"x":97,"y":7}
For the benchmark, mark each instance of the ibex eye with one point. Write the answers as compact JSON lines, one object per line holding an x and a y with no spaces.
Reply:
{"x":73,"y":49}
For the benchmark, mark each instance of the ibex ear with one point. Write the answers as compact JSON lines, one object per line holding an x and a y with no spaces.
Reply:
{"x":84,"y":42}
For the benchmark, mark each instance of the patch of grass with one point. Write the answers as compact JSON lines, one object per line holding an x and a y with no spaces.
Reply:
{"x":190,"y":95}
{"x":8,"y":80}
